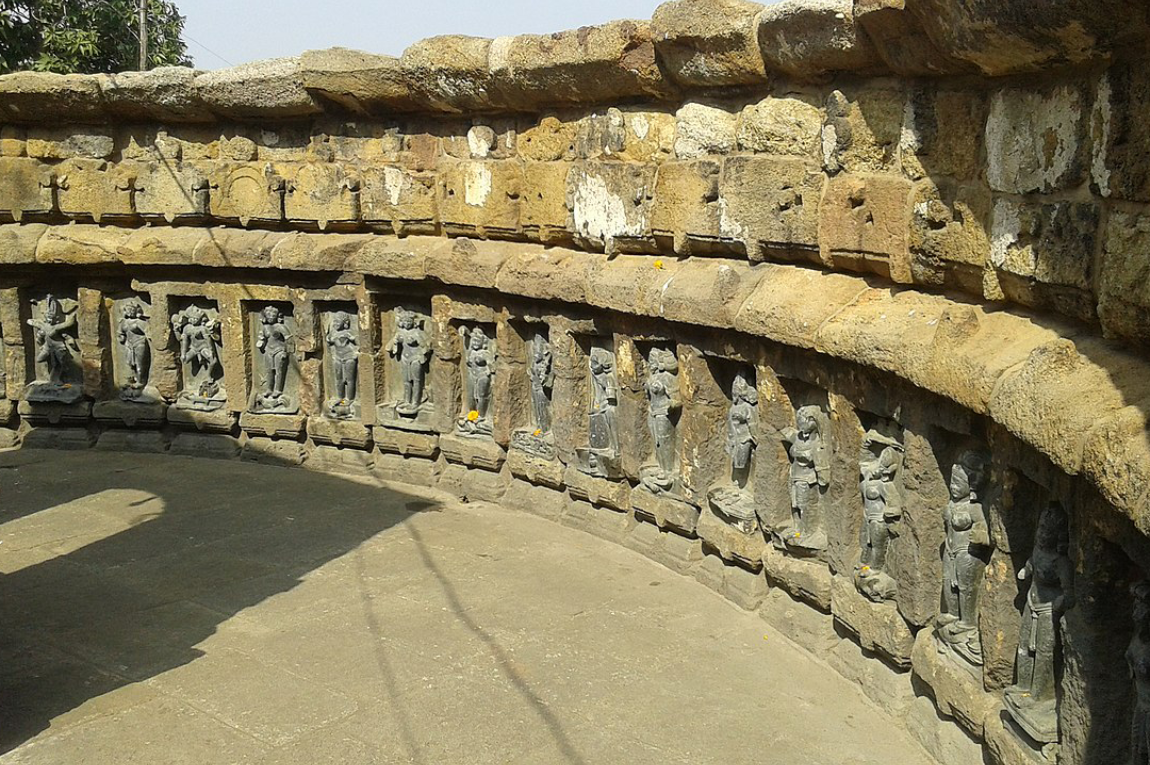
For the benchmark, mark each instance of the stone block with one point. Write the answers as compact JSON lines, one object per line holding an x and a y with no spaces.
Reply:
{"x":547,"y":274}
{"x":141,"y":441}
{"x":472,"y":451}
{"x":1007,"y":744}
{"x":711,"y":572}
{"x":270,"y":89}
{"x":804,"y":626}
{"x":55,"y":413}
{"x":729,"y":543}
{"x":1044,"y":253}
{"x":600,"y":521}
{"x":131,"y":414}
{"x":537,"y":500}
{"x":358,"y":81}
{"x":610,"y":203}
{"x":47,"y":437}
{"x":679,"y":553}
{"x":942,"y":134}
{"x":955,"y":684}
{"x":18,"y":243}
{"x":346,"y":433}
{"x":901,"y":41}
{"x":788,"y":126}
{"x":598,"y":491}
{"x":864,"y":224}
{"x":403,"y":198}
{"x":543,"y":211}
{"x":416,"y":471}
{"x":9,"y":438}
{"x":944,"y":740}
{"x":480,"y":196}
{"x":647,"y":540}
{"x":164,"y":94}
{"x":534,"y":469}
{"x":1016,"y":163}
{"x":666,"y":512}
{"x":450,"y":73}
{"x":808,"y":38}
{"x":272,"y":451}
{"x":54,"y":143}
{"x":407,"y":443}
{"x":771,"y":204}
{"x":93,"y":189}
{"x":863,"y":130}
{"x":246,"y":192}
{"x":171,"y":191}
{"x":213,"y":445}
{"x":714,"y":44}
{"x":745,"y":589}
{"x":484,"y":486}
{"x":686,"y":208}
{"x":882,"y":683}
{"x":702,"y":130}
{"x":323,"y":193}
{"x":804,"y":579}
{"x":878,"y":626}
{"x":950,"y":236}
{"x":27,"y":188}
{"x":348,"y":460}
{"x":274,"y":425}
{"x":1124,"y":276}
{"x":219,"y":421}
{"x":45,"y":97}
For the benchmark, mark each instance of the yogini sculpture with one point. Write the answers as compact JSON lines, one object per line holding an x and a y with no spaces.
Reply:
{"x":964,"y":557}
{"x":542,"y":380}
{"x":479,"y":359}
{"x":56,"y":350}
{"x":273,"y":343}
{"x":809,"y":478}
{"x":879,"y":462}
{"x":733,"y":501}
{"x":343,"y":353}
{"x":133,"y":335}
{"x":663,"y":405}
{"x":1032,"y":700}
{"x":603,"y":446}
{"x":1138,"y":658}
{"x":199,"y":337}
{"x":411,"y":349}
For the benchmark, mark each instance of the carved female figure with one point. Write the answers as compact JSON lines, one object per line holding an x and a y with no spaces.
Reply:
{"x":480,"y":361}
{"x":57,"y":347}
{"x":663,"y":402}
{"x":542,"y":380}
{"x":604,"y":397}
{"x":1138,"y":657}
{"x":740,"y":436}
{"x":809,"y":477}
{"x":199,"y":336}
{"x":1031,"y":701}
{"x":133,"y":335}
{"x":272,"y":342}
{"x":343,"y":345}
{"x":964,"y":557}
{"x":881,"y":511}
{"x":411,"y":348}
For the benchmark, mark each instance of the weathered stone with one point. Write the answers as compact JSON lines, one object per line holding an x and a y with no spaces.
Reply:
{"x":1124,"y":277}
{"x":949,"y":240}
{"x":410,"y":470}
{"x":334,"y":459}
{"x":538,"y":500}
{"x":785,"y":126}
{"x":686,"y":207}
{"x":863,"y":130}
{"x":449,"y":73}
{"x":267,"y":89}
{"x":65,"y":143}
{"x":745,"y":589}
{"x":219,"y":421}
{"x":598,"y":491}
{"x":632,"y":283}
{"x":536,"y":470}
{"x":864,"y":224}
{"x":165,"y":94}
{"x":702,"y":129}
{"x":808,"y":38}
{"x":610,"y":203}
{"x":362,"y":82}
{"x":44,"y":97}
{"x":543,"y":211}
{"x":214,"y":445}
{"x":404,"y":198}
{"x":603,"y":522}
{"x":326,"y":193}
{"x":142,"y":442}
{"x":171,"y":191}
{"x":710,"y":44}
{"x":81,"y":244}
{"x":945,"y":742}
{"x":708,"y":292}
{"x":58,"y":438}
{"x":799,"y":623}
{"x":273,"y":425}
{"x":472,"y":452}
{"x":18,"y":243}
{"x":885,"y":685}
{"x":93,"y":189}
{"x":547,"y":274}
{"x":480,"y":196}
{"x":771,"y":204}
{"x":27,"y":187}
{"x":955,"y":684}
{"x":730,"y":543}
{"x":1006,"y":743}
{"x":942,"y":134}
{"x":245,"y":192}
{"x":901,"y":41}
{"x":272,"y":451}
{"x":55,"y":413}
{"x":879,"y":626}
{"x":808,"y":580}
{"x":406,"y":443}
{"x":1019,"y":163}
{"x":130,"y":413}
{"x":665,"y":512}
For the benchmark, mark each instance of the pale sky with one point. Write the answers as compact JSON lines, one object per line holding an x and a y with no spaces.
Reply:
{"x":224,"y":32}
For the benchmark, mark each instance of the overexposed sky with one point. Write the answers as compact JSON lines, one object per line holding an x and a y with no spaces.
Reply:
{"x":220,"y":33}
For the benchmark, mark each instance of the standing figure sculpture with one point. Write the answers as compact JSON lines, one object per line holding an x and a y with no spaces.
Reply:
{"x":663,"y":404}
{"x":1138,"y":659}
{"x":199,"y":337}
{"x":411,"y":348}
{"x":809,"y":478}
{"x":479,"y":358}
{"x":133,"y":335}
{"x":733,"y":501}
{"x":542,"y":380}
{"x":882,"y":511}
{"x":273,"y":342}
{"x":56,"y":349}
{"x":1032,"y":700}
{"x":343,"y":349}
{"x":964,"y":558}
{"x":603,"y":446}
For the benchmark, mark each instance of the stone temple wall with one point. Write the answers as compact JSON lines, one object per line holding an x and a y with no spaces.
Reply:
{"x":751,"y":290}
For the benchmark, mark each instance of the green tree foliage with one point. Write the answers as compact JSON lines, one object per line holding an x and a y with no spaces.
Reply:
{"x":87,"y":36}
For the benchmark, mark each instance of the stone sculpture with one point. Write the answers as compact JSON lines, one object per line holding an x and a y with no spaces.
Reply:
{"x":1032,"y":700}
{"x":412,"y":349}
{"x":964,"y":558}
{"x":603,"y":445}
{"x":273,"y":342}
{"x":133,"y":336}
{"x":199,"y":336}
{"x":879,"y":463}
{"x":1138,"y":658}
{"x":542,"y":380}
{"x":479,"y":360}
{"x":663,"y":405}
{"x":733,"y":502}
{"x":343,"y":356}
{"x":57,"y":351}
{"x":809,"y":478}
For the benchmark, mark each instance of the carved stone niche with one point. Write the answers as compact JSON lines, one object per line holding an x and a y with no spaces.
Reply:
{"x":274,"y":365}
{"x":478,"y":361}
{"x":340,"y":339}
{"x":600,"y":457}
{"x":880,"y":487}
{"x":405,"y":352}
{"x":199,"y":352}
{"x":132,"y":348}
{"x":54,"y":361}
{"x":801,"y":529}
{"x":533,"y":454}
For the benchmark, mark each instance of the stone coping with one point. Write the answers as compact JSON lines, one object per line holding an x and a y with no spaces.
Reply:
{"x":1077,"y":399}
{"x":689,"y":44}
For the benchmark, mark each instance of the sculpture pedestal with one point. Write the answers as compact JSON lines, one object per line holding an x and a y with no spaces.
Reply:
{"x":56,"y":413}
{"x":731,"y":542}
{"x":351,"y":433}
{"x":598,"y":491}
{"x":421,"y":421}
{"x":131,"y":413}
{"x":53,"y":393}
{"x":472,"y":451}
{"x":664,"y":511}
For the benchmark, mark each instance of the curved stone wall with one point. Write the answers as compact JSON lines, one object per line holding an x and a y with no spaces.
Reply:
{"x":839,"y":308}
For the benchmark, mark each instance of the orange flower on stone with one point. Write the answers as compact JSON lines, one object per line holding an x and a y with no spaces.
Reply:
{"x":472,"y":416}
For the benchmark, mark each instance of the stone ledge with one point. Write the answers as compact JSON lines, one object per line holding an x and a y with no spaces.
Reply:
{"x":879,"y":626}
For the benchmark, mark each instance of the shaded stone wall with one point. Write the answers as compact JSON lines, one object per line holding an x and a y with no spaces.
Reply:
{"x":615,"y":257}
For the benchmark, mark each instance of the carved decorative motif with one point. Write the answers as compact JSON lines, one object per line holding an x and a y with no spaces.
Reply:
{"x":734,"y":501}
{"x":663,"y":406}
{"x":964,"y":557}
{"x":809,"y":478}
{"x":198,"y":332}
{"x":880,"y":461}
{"x":132,"y":335}
{"x":342,"y":341}
{"x":57,"y":353}
{"x":274,"y":347}
{"x":411,"y":348}
{"x":479,"y":362}
{"x":601,"y":456}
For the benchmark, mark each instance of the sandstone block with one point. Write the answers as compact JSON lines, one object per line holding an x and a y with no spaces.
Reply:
{"x":1018,"y":164}
{"x":406,"y":443}
{"x":771,"y":204}
{"x":708,"y":292}
{"x":143,"y":442}
{"x":955,"y":684}
{"x":731,"y":544}
{"x":538,"y":500}
{"x":480,"y":196}
{"x":863,"y":129}
{"x":18,"y":242}
{"x":864,"y":224}
{"x":358,"y":81}
{"x":472,"y":452}
{"x":547,"y":274}
{"x":807,"y":580}
{"x":534,"y":469}
{"x":789,"y":126}
{"x":701,"y":130}
{"x":43,"y":437}
{"x":901,"y":41}
{"x":273,"y":425}
{"x":943,"y":133}
{"x":27,"y":187}
{"x":449,"y":73}
{"x":598,"y":491}
{"x":883,"y":683}
{"x":602,"y":522}
{"x":710,"y":44}
{"x":69,"y":143}
{"x":272,"y":451}
{"x":265,"y":89}
{"x":945,"y":741}
{"x":91,"y":189}
{"x":219,"y":421}
{"x":45,"y":97}
{"x":246,"y":191}
{"x":879,"y":626}
{"x":211,"y":445}
{"x":686,"y":208}
{"x":745,"y":589}
{"x":543,"y":212}
{"x":131,"y":414}
{"x":398,"y":196}
{"x":171,"y":191}
{"x":799,"y":623}
{"x":808,"y":38}
{"x":949,"y":236}
{"x":665,"y":512}
{"x":630,"y":283}
{"x":610,"y":203}
{"x":334,"y":459}
{"x":321,"y":192}
{"x":164,"y":94}
{"x":1124,"y":277}
{"x":410,"y":470}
